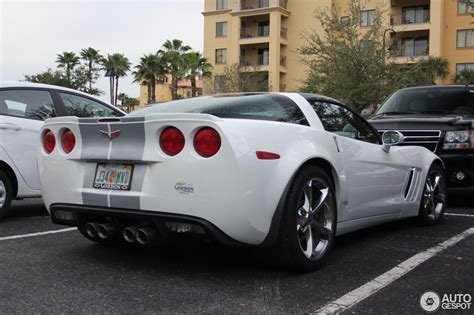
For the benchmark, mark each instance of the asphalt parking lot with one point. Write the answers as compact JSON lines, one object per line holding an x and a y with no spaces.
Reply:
{"x":45,"y":272}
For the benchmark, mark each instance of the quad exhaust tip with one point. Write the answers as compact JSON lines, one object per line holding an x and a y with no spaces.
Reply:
{"x":145,"y":235}
{"x":91,"y":229}
{"x":106,"y":230}
{"x":130,"y":234}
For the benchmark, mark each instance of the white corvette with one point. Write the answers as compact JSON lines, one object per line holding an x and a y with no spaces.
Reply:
{"x":285,"y":170}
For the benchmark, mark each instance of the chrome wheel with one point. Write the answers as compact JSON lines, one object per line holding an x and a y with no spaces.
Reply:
{"x":3,"y":194}
{"x":314,"y":219}
{"x":434,"y":195}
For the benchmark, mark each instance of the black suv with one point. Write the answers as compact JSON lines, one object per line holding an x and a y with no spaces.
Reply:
{"x":439,"y":118}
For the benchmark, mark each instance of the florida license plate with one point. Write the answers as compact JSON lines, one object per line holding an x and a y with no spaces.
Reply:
{"x":113,"y":176}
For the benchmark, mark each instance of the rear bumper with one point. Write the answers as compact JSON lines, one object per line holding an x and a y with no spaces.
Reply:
{"x":79,"y":215}
{"x":459,"y":163}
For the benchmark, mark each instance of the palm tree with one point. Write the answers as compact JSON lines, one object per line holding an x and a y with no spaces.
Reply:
{"x":197,"y":66}
{"x":173,"y":51}
{"x":92,"y":57}
{"x":67,"y":60}
{"x":150,"y":70}
{"x":121,"y":65}
{"x":465,"y":77}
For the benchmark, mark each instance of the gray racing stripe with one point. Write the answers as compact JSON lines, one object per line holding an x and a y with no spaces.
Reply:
{"x":92,"y":199}
{"x":127,"y":202}
{"x":128,"y":145}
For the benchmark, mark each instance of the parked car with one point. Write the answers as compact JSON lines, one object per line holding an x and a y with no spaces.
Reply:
{"x":439,"y":118}
{"x":291,"y":170}
{"x":23,"y":108}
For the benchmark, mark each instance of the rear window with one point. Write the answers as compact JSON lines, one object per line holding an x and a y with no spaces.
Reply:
{"x":272,"y":107}
{"x":452,"y":100}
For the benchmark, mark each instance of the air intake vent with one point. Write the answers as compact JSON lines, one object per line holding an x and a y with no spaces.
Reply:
{"x":413,"y":184}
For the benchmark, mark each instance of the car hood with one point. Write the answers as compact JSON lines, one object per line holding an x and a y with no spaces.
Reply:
{"x":421,"y":121}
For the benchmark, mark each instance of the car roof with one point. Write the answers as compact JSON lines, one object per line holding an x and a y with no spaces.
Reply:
{"x":307,"y":96}
{"x":20,"y":84}
{"x":438,"y":87}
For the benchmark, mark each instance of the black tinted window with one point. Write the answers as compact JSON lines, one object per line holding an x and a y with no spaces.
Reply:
{"x":343,"y":122}
{"x":33,"y":104}
{"x":271,"y":107}
{"x":85,"y":107}
{"x":431,"y":101}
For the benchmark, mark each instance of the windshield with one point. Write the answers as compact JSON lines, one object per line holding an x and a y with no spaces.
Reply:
{"x":271,"y":107}
{"x":452,"y":100}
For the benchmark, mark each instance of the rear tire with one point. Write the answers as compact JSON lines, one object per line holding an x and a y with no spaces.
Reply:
{"x":6,"y":194}
{"x":309,"y":220}
{"x":433,"y":199}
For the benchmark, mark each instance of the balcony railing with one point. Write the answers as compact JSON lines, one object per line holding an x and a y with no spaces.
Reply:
{"x":283,"y":61}
{"x":259,"y":4}
{"x":247,"y":32}
{"x":400,"y":20}
{"x":284,"y":32}
{"x":282,"y":87}
{"x":252,"y":62}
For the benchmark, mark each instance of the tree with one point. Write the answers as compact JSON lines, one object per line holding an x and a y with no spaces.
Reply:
{"x":238,"y":78}
{"x":67,"y":60}
{"x":78,"y":79}
{"x":349,"y":64}
{"x":150,"y":70}
{"x":121,"y":65}
{"x":93,"y":58}
{"x":50,"y":76}
{"x":197,"y":66}
{"x":173,"y":52}
{"x":127,"y":103}
{"x":425,"y":72}
{"x":465,"y":76}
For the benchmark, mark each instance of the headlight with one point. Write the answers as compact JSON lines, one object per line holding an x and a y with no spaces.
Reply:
{"x":457,"y":140}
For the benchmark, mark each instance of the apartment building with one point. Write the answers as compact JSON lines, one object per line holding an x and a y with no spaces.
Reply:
{"x":267,"y":34}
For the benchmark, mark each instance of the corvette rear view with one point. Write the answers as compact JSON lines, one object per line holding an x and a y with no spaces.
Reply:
{"x":255,"y":169}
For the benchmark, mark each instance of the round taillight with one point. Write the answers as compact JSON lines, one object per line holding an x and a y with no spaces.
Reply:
{"x":49,"y":141}
{"x":171,"y":141}
{"x":68,"y":140}
{"x":207,"y":142}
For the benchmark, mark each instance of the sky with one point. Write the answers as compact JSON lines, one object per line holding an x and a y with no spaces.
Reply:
{"x":32,"y":33}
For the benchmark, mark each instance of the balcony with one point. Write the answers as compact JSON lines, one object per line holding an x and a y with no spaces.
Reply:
{"x":283,"y":61}
{"x":400,"y":24}
{"x":262,"y":4}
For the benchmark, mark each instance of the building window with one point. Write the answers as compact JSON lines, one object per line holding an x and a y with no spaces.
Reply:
{"x":460,"y":67}
{"x":412,"y":47}
{"x":464,"y":8}
{"x":344,"y":19}
{"x":367,"y":18}
{"x":413,"y":15}
{"x":466,"y":38}
{"x":263,"y":3}
{"x":221,"y":55}
{"x":219,"y":83}
{"x":263,"y":57}
{"x":264,"y":29}
{"x":221,"y":4}
{"x":221,"y":29}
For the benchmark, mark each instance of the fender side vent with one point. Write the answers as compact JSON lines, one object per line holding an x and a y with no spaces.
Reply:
{"x":412,"y":184}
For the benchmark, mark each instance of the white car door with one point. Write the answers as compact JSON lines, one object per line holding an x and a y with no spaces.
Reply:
{"x":375,"y":179}
{"x":22,"y":112}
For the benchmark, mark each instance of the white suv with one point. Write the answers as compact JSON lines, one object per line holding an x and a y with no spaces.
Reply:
{"x":23,"y":108}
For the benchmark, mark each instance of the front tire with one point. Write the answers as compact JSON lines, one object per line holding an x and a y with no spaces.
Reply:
{"x":433,"y":199}
{"x":309,"y":220}
{"x":6,"y":194}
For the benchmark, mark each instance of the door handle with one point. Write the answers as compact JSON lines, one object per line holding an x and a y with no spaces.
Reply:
{"x":6,"y":126}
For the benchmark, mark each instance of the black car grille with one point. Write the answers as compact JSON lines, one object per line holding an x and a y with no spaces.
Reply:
{"x":424,"y":138}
